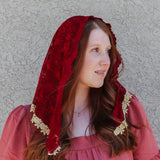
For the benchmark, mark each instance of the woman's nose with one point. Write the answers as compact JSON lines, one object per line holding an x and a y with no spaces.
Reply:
{"x":105,"y":60}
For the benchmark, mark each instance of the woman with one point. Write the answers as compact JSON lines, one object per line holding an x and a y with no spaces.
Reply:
{"x":80,"y":111}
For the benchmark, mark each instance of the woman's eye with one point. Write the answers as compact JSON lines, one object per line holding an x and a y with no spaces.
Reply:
{"x":95,"y":50}
{"x":98,"y":51}
{"x":108,"y":51}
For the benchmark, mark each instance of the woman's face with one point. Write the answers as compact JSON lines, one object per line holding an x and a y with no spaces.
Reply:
{"x":97,"y":60}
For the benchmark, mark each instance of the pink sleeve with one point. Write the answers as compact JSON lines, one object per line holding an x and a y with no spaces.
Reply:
{"x":147,"y":146}
{"x":15,"y":135}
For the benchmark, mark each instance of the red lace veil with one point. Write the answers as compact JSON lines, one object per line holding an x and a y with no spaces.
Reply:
{"x":56,"y":70}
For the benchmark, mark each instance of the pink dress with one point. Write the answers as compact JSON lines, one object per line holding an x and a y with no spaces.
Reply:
{"x":18,"y":131}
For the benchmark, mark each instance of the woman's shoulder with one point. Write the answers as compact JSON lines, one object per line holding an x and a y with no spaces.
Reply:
{"x":147,"y":146}
{"x":135,"y":103}
{"x":20,"y":111}
{"x":136,"y":111}
{"x":20,"y":114}
{"x":17,"y":133}
{"x":19,"y":120}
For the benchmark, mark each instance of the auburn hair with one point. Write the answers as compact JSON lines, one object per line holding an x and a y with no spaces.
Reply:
{"x":101,"y":101}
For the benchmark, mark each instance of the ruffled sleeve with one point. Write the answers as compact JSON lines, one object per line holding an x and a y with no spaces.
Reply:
{"x":16,"y":134}
{"x":147,"y":146}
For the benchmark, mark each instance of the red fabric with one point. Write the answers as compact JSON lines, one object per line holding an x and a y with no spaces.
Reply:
{"x":56,"y":71}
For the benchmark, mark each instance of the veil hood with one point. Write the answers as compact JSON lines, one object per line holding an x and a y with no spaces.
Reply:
{"x":56,"y":70}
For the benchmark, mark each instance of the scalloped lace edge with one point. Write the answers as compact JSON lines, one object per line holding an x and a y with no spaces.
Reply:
{"x":126,"y":102}
{"x":55,"y":152}
{"x":38,"y":122}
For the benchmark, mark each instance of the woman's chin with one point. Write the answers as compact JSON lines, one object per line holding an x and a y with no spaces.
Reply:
{"x":97,"y":85}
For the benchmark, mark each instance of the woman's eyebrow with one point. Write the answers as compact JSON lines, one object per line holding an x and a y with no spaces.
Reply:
{"x":92,"y":45}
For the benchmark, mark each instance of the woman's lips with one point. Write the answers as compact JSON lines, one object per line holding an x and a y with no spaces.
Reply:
{"x":100,"y":72}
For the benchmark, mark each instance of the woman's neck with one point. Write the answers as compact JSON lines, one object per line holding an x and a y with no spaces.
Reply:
{"x":81,"y":98}
{"x":81,"y":116}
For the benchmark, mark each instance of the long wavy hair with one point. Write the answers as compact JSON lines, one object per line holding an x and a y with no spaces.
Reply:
{"x":101,"y":101}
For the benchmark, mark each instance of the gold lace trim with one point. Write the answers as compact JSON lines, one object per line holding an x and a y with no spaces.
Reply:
{"x":38,"y":122}
{"x":121,"y":128}
{"x":55,"y":152}
{"x":43,"y":128}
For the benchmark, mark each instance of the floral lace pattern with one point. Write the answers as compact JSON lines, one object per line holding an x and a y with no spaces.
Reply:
{"x":55,"y":152}
{"x":121,"y":128}
{"x":38,"y":122}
